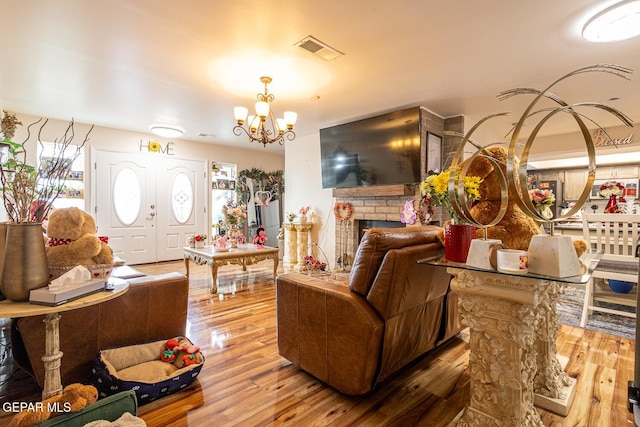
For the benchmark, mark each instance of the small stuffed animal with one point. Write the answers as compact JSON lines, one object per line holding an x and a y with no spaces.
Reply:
{"x":169,"y":355}
{"x":221,"y":242}
{"x":187,"y":354}
{"x":74,"y":398}
{"x":181,"y":353}
{"x":73,"y":240}
{"x":260,"y":239}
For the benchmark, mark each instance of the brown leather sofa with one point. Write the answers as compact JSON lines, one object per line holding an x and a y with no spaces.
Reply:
{"x":154,"y":308}
{"x":392,"y":310}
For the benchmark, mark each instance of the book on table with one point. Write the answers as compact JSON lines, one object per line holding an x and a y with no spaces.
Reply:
{"x":67,"y":293}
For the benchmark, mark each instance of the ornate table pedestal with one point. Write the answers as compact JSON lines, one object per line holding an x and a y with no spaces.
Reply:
{"x":52,"y":358}
{"x":513,"y":330}
{"x":297,"y":237}
{"x":303,"y":241}
{"x":291,"y":247}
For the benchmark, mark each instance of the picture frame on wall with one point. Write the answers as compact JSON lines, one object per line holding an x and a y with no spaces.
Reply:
{"x":75,"y":175}
{"x":434,"y":152}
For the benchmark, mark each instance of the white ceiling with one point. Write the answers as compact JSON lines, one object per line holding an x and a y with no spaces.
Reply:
{"x":128,"y":64}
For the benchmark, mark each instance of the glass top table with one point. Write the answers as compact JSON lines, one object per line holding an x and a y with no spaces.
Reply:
{"x":589,"y":260}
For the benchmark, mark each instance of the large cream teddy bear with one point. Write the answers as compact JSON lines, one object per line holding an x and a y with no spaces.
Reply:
{"x":515,"y":229}
{"x":72,"y":240}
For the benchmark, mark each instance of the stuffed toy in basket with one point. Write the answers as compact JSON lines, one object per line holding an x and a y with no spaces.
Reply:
{"x":151,"y":370}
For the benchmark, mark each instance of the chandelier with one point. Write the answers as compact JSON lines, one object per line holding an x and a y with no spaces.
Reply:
{"x":263,"y":127}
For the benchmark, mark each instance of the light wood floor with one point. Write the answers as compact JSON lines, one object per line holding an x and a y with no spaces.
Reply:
{"x":244,"y":381}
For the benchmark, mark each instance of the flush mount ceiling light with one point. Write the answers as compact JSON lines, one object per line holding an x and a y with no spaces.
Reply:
{"x":167,"y":131}
{"x":264,"y":127}
{"x":618,"y":22}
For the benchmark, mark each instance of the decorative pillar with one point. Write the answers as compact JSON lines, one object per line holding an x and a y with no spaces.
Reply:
{"x":291,"y":247}
{"x":513,"y":327}
{"x":554,"y":389}
{"x":303,"y":241}
{"x":52,"y":356}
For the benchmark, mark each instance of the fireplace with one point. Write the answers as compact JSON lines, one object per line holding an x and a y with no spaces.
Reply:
{"x":365,"y":224}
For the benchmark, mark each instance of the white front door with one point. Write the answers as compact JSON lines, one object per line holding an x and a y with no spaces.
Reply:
{"x":181,"y":193}
{"x":146,"y":204}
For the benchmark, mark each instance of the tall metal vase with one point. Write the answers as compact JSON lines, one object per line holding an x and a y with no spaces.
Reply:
{"x":3,"y":239}
{"x":25,"y":261}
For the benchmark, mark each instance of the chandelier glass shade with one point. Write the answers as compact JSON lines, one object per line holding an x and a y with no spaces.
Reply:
{"x":264,"y":127}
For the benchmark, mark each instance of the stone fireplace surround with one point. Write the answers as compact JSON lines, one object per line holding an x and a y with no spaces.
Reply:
{"x":373,"y":211}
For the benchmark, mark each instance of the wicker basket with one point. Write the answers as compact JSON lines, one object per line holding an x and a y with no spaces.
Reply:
{"x":98,"y":271}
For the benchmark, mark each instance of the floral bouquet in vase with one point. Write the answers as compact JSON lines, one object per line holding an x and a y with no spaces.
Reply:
{"x":434,"y":190}
{"x":234,"y":213}
{"x":542,"y":201}
{"x":612,"y":189}
{"x":457,"y":235}
{"x":197,"y":240}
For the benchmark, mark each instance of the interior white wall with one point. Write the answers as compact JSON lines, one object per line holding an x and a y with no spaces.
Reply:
{"x":129,"y":142}
{"x":303,"y":185}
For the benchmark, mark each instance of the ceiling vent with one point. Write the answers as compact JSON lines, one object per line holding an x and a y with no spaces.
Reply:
{"x":316,"y":47}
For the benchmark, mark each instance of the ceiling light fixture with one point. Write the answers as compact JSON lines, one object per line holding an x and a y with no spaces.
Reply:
{"x":167,"y":131}
{"x":263,"y":127}
{"x":618,"y":22}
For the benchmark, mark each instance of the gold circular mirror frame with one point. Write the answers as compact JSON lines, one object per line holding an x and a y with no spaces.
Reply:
{"x":515,"y":181}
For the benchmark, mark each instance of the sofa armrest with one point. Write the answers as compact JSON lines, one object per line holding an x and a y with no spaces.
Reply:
{"x":329,"y":331}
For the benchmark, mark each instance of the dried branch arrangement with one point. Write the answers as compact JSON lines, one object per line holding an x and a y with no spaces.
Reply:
{"x":29,"y":191}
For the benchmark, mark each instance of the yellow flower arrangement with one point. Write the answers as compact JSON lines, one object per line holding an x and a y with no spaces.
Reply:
{"x":434,"y":190}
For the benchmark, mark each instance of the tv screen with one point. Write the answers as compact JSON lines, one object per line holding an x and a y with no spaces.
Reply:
{"x":382,"y":150}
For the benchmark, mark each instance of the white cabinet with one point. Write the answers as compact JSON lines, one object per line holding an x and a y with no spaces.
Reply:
{"x":550,"y":175}
{"x":617,"y":172}
{"x":574,"y":182}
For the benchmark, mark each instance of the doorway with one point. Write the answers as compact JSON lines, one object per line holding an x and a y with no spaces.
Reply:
{"x":148,"y":205}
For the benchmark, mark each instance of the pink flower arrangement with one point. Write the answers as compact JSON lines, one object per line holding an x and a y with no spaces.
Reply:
{"x":234,"y":213}
{"x":304,"y":210}
{"x":541,"y":198}
{"x":314,"y":264}
{"x":611,"y":188}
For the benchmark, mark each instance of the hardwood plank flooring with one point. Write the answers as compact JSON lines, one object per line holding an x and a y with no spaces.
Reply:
{"x":244,"y":381}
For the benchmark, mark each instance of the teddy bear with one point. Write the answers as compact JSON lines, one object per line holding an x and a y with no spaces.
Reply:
{"x":260,"y":239}
{"x":515,"y":229}
{"x":72,"y":240}
{"x":73,"y":398}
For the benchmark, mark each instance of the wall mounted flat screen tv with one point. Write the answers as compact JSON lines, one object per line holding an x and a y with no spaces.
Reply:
{"x":382,"y":150}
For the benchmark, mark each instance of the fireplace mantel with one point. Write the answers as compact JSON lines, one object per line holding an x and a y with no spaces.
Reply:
{"x":376,"y":191}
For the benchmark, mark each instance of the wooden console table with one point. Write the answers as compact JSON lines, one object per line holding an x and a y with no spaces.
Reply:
{"x":242,"y":256}
{"x":513,"y":364}
{"x":53,"y":355}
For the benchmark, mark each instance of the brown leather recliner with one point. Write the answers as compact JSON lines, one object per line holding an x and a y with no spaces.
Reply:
{"x":353,"y":336}
{"x":153,"y":308}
